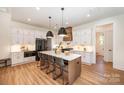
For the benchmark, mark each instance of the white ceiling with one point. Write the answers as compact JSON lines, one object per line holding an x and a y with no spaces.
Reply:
{"x":74,"y":16}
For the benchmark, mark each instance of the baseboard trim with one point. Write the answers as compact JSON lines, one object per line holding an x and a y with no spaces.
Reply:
{"x":118,"y":67}
{"x":86,"y":63}
{"x":22,"y":63}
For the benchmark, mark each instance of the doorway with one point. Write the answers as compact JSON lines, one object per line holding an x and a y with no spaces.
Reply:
{"x":104,"y":43}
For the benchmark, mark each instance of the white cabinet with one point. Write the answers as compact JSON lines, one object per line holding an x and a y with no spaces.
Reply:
{"x":40,"y":34}
{"x":17,"y":57}
{"x":16,"y":36}
{"x":29,"y":59}
{"x":86,"y":57}
{"x":25,"y":36}
{"x":82,"y":37}
{"x":28,"y":37}
{"x":31,"y":38}
{"x":75,"y":37}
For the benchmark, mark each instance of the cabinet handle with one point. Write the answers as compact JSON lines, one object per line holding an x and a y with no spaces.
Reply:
{"x":78,"y":62}
{"x":109,"y":50}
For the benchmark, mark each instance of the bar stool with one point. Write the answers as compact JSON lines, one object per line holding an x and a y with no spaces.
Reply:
{"x":59,"y":63}
{"x":51,"y":62}
{"x":43,"y":61}
{"x":39,"y":62}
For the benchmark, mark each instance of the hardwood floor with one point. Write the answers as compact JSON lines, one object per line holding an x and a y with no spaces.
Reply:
{"x":28,"y":74}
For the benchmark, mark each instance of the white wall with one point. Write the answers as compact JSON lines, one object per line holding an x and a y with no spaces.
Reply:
{"x":4,"y":35}
{"x":118,"y":38}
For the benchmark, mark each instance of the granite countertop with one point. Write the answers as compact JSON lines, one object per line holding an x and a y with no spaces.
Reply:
{"x":62,"y":55}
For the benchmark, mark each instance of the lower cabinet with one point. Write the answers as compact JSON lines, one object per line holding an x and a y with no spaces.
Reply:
{"x":29,"y":59}
{"x":18,"y":58}
{"x":86,"y":57}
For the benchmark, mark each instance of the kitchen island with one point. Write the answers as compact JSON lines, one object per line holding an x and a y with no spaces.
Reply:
{"x":74,"y":64}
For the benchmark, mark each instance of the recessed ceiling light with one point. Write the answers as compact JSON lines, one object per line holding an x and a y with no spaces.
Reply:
{"x":55,"y":27}
{"x":66,"y":23}
{"x":37,"y":8}
{"x":28,"y":19}
{"x":88,"y":15}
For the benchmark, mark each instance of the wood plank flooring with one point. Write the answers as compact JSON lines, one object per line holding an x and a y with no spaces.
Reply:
{"x":30,"y":74}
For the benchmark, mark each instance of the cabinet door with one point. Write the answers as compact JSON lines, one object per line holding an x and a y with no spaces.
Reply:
{"x":88,"y":37}
{"x":38,"y":34}
{"x":32,"y":38}
{"x":25,"y":34}
{"x":15,"y":36}
{"x":14,"y":58}
{"x":87,"y":57}
{"x":21,"y":57}
{"x":82,"y":37}
{"x":82,"y":57}
{"x":20,"y":36}
{"x":74,"y":37}
{"x":17,"y":57}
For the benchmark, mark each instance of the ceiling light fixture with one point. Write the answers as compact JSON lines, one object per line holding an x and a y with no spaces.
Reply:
{"x":89,"y":12}
{"x":62,"y":31}
{"x":49,"y":33}
{"x":28,"y":19}
{"x":37,"y":8}
{"x":88,"y":15}
{"x":66,"y":23}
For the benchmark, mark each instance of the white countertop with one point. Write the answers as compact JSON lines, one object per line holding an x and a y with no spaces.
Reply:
{"x":82,"y":51}
{"x":21,"y":51}
{"x":62,"y":55}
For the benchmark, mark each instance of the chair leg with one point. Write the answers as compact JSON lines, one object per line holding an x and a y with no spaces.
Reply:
{"x":51,"y":70}
{"x":47,"y":66}
{"x":54,"y":73}
{"x":62,"y":75}
{"x":38,"y":64}
{"x":43,"y":65}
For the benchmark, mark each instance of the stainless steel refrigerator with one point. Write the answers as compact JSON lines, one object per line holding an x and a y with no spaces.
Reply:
{"x":40,"y":45}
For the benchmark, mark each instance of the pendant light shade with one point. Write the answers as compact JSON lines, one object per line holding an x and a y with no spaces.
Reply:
{"x":49,"y":33}
{"x":62,"y":31}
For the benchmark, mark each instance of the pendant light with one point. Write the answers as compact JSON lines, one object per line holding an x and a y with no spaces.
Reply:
{"x":49,"y":33}
{"x":62,"y":31}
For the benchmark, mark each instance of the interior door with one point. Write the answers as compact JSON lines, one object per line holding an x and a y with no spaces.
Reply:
{"x":108,"y":46}
{"x":100,"y":43}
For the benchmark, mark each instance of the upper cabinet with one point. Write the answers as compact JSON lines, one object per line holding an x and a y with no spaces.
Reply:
{"x":17,"y":36}
{"x":25,"y":36}
{"x":69,"y":34}
{"x":82,"y":37}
